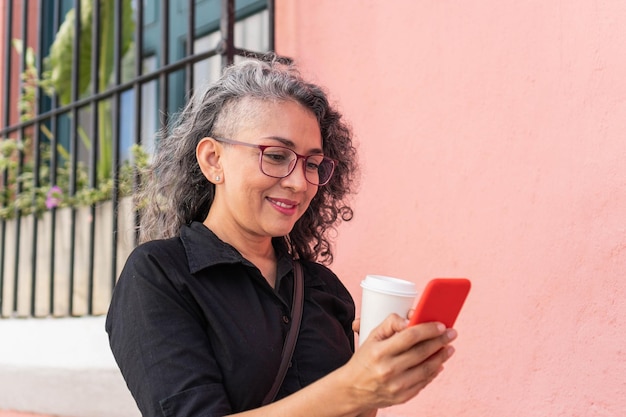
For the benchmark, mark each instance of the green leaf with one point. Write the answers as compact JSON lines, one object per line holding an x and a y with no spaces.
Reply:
{"x":58,"y":64}
{"x":18,"y":45}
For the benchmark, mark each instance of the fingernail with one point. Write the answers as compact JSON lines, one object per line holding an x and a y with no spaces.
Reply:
{"x":450,"y":350}
{"x":451,"y":334}
{"x":441,"y":327}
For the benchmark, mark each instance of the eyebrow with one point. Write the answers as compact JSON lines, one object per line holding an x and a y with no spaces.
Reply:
{"x":290,"y":144}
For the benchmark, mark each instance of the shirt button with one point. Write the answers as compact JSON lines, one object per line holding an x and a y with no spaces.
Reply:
{"x":285,"y":319}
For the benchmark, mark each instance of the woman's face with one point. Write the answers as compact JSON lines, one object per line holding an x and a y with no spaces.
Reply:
{"x":249,"y":202}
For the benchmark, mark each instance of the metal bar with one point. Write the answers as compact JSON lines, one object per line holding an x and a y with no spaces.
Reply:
{"x":138,"y":103}
{"x":271,"y":9}
{"x":6,"y":83}
{"x":18,"y":229}
{"x":227,"y":29}
{"x":54,"y":128}
{"x":165,"y":51}
{"x":139,"y":41}
{"x":115,"y":111}
{"x":95,"y":141}
{"x":36,"y":158}
{"x":117,"y":44}
{"x":74,"y":148}
{"x":117,"y":89}
{"x":191,"y":36}
{"x":20,"y":160}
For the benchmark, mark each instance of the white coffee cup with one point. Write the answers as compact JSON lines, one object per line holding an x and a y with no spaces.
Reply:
{"x":381,"y":297}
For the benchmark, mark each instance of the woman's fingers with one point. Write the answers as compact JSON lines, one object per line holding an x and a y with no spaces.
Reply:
{"x":424,"y":349}
{"x":401,"y":361}
{"x":389,"y":327}
{"x":414,"y":343}
{"x":356,"y":325}
{"x":410,"y":383}
{"x":394,"y":324}
{"x":423,"y":360}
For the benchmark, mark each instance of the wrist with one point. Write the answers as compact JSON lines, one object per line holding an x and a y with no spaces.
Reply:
{"x":341,"y":384}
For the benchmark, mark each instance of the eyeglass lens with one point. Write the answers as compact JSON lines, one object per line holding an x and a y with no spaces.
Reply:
{"x":279,"y":162}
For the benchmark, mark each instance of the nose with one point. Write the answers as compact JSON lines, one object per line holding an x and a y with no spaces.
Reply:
{"x":296,"y":180}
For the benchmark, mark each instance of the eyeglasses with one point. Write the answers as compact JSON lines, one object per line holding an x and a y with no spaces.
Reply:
{"x":279,"y":162}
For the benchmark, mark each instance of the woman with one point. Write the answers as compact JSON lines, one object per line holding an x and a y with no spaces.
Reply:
{"x":256,"y":173}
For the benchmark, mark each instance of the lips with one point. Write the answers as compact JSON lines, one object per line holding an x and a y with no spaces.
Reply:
{"x":283,"y":205}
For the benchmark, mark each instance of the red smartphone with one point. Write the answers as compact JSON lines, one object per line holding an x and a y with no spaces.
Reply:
{"x":441,"y":301}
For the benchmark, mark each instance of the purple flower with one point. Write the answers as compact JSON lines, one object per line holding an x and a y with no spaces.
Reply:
{"x":53,"y":197}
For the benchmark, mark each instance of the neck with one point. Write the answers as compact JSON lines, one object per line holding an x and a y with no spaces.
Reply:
{"x":247,"y":244}
{"x":256,"y":249}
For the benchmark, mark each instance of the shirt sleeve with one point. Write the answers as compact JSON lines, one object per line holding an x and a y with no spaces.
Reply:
{"x":158,"y":338}
{"x":344,"y":310}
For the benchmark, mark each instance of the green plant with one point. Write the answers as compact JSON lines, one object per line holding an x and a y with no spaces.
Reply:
{"x":25,"y":195}
{"x":58,"y":74}
{"x":29,"y":193}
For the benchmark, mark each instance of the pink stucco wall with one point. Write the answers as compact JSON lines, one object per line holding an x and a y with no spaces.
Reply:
{"x":493,"y":144}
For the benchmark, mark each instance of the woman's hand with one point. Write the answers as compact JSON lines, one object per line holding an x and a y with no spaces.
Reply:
{"x":396,"y":362}
{"x":356,"y":324}
{"x":390,"y":367}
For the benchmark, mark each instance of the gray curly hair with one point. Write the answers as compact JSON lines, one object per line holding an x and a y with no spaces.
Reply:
{"x":175,"y":192}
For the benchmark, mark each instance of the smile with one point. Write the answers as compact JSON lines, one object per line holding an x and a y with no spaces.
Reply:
{"x":285,"y":206}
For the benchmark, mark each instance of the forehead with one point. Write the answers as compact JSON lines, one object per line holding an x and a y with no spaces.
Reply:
{"x":255,"y":118}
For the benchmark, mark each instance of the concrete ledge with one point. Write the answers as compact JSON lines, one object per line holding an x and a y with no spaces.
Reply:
{"x":62,"y":367}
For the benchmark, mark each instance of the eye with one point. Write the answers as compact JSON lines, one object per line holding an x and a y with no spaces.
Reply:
{"x":313,"y":162}
{"x":312,"y":167}
{"x":277,"y":155}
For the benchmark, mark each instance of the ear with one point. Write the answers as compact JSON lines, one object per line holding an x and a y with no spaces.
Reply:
{"x":208,"y":154}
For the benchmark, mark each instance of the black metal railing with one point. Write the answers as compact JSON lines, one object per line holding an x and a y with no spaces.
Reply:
{"x":65,"y":261}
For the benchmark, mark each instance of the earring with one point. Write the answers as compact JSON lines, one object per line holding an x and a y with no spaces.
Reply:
{"x":218,"y":178}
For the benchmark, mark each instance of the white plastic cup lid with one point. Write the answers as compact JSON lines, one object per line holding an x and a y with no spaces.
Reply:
{"x":389,"y":285}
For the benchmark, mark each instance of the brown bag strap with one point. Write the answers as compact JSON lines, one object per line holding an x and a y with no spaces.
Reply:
{"x":292,"y":334}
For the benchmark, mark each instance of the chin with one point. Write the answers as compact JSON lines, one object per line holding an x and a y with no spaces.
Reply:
{"x":280,"y":231}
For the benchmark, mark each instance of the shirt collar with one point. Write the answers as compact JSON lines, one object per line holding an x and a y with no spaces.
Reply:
{"x":204,"y":249}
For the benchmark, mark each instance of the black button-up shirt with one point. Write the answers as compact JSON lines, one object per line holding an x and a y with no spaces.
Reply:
{"x":197,"y":331}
